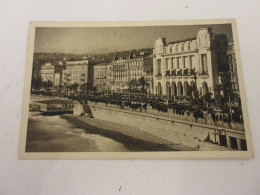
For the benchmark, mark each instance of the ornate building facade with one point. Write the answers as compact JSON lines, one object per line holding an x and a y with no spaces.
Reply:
{"x":125,"y":70}
{"x":79,"y":72}
{"x":47,"y":72}
{"x":52,"y":72}
{"x":103,"y":76}
{"x":193,"y":62}
{"x":233,"y":70}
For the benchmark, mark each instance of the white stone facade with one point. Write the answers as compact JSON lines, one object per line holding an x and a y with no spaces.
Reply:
{"x":47,"y":72}
{"x":79,"y":72}
{"x":125,"y":70}
{"x":102,"y":76}
{"x":192,"y":62}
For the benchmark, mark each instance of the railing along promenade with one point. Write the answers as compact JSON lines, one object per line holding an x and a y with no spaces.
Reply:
{"x":234,"y":138}
{"x":206,"y":121}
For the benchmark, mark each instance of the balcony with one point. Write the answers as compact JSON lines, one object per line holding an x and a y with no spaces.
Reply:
{"x":185,"y":73}
{"x":167,"y":74}
{"x":158,"y":76}
{"x":179,"y":73}
{"x":173,"y":73}
{"x":192,"y":73}
{"x":204,"y":75}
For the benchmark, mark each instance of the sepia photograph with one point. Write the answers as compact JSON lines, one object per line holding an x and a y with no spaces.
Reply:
{"x":117,"y":90}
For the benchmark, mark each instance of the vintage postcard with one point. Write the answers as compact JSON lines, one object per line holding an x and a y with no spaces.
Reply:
{"x":122,"y":90}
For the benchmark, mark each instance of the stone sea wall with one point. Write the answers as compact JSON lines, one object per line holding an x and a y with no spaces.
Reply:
{"x":187,"y":133}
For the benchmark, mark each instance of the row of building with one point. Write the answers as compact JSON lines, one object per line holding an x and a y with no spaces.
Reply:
{"x":173,"y":70}
{"x":117,"y":75}
{"x":114,"y":76}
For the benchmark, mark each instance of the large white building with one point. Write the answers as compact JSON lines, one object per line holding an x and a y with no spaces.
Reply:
{"x":191,"y":62}
{"x":79,"y":72}
{"x":52,"y":72}
{"x":125,"y":70}
{"x":103,"y":76}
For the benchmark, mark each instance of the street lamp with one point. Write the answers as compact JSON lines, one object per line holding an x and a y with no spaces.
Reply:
{"x":195,"y":78}
{"x":194,"y":91}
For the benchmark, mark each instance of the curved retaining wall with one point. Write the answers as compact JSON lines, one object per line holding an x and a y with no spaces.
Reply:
{"x":187,"y":133}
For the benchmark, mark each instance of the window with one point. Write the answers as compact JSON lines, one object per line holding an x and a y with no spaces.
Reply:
{"x":167,"y":64}
{"x":173,"y":63}
{"x":191,"y":65}
{"x":178,"y":63}
{"x":204,"y":66}
{"x":159,"y":66}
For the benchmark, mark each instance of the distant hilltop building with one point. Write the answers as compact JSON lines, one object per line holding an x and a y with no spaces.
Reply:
{"x":192,"y":62}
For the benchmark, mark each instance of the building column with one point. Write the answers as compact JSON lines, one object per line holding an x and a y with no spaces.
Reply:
{"x":190,"y":61}
{"x":228,"y":141}
{"x":177,"y":64}
{"x":183,"y":62}
{"x":200,"y":64}
{"x":163,"y":69}
{"x":189,"y":64}
{"x":154,"y":73}
{"x":180,"y":63}
{"x":163,"y":66}
{"x":239,"y":144}
{"x":155,"y":66}
{"x":170,"y":63}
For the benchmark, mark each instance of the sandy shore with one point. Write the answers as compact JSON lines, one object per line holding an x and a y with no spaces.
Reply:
{"x":130,"y":136}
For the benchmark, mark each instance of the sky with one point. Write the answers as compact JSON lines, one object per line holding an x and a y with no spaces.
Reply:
{"x":111,"y":39}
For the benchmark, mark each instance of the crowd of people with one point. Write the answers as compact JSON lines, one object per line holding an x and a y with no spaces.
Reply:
{"x":141,"y":102}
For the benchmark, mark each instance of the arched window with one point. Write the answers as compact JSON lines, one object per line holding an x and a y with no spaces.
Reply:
{"x":205,"y":88}
{"x":168,"y":89}
{"x":203,"y":65}
{"x":186,"y":89}
{"x":159,"y":88}
{"x":174,"y":88}
{"x":180,"y":89}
